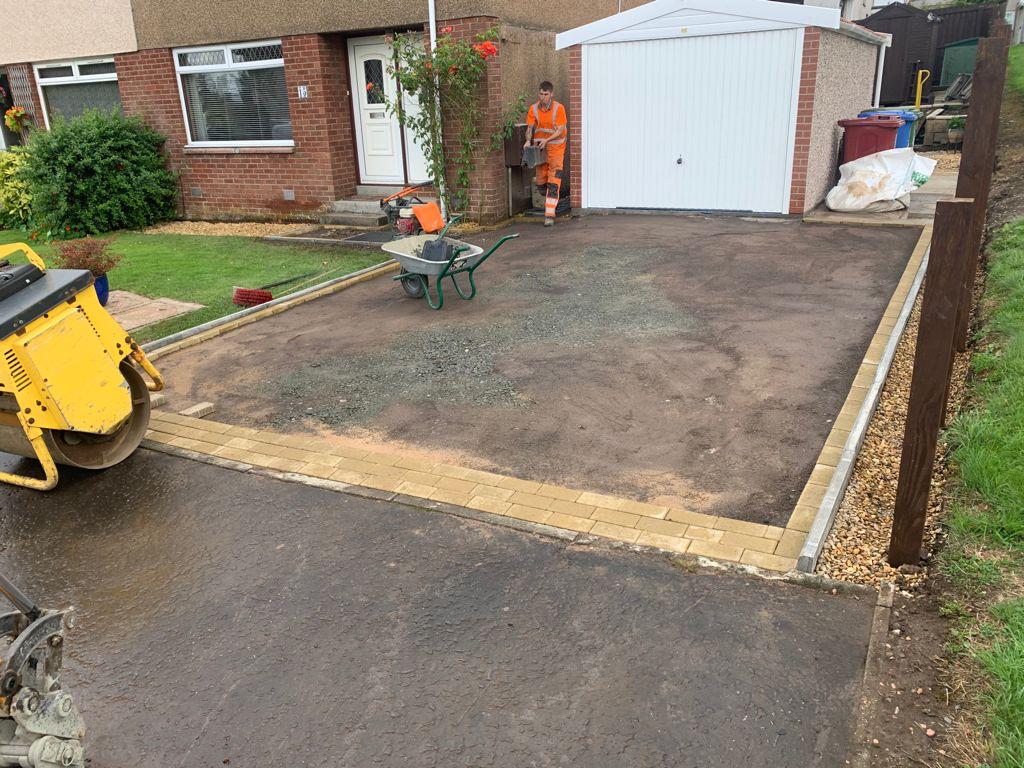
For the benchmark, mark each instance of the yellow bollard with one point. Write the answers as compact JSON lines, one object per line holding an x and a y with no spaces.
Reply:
{"x":922,"y":78}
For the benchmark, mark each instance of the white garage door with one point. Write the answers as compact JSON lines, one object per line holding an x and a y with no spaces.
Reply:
{"x":691,"y":123}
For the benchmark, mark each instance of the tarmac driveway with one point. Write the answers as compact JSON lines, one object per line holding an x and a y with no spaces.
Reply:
{"x":230,"y":619}
{"x":689,"y":361}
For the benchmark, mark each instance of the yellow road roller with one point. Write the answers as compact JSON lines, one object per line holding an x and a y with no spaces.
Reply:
{"x":70,"y":387}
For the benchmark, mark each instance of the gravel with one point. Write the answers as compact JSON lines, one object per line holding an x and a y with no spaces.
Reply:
{"x":946,"y":160}
{"x":225,"y":229}
{"x":463,"y":364}
{"x":855,"y":550}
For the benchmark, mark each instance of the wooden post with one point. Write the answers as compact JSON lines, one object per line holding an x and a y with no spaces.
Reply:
{"x":930,"y":378}
{"x":978,"y":161}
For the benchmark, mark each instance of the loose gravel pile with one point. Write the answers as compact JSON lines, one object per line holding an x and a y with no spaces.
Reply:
{"x":946,"y":160}
{"x":224,"y":228}
{"x":856,"y":549}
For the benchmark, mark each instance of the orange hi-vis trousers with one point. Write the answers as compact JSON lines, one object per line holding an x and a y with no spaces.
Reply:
{"x":549,"y":178}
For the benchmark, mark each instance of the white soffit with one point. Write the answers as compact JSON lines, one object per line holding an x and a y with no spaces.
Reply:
{"x":662,"y":19}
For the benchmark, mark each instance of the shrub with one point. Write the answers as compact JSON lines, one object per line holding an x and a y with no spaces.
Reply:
{"x":15,"y":199}
{"x":86,"y":253}
{"x":97,"y":173}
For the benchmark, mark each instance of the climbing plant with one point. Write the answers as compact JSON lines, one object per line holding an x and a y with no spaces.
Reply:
{"x":445,"y":84}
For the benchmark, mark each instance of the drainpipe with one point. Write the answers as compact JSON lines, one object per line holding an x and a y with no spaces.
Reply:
{"x":432,"y":15}
{"x":878,"y":76}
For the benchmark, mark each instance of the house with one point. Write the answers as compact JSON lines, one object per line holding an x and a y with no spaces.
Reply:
{"x":919,"y":39}
{"x":274,"y":108}
{"x":727,"y":105}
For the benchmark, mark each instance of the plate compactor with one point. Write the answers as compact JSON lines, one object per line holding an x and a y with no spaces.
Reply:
{"x":70,"y":391}
{"x":40,"y":726}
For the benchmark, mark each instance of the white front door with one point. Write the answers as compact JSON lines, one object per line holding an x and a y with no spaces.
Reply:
{"x":378,"y":133}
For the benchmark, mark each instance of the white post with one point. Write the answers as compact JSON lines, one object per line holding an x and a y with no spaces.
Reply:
{"x":432,"y":14}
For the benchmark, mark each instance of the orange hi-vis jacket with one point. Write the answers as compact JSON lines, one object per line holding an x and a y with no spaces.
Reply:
{"x":546,"y":121}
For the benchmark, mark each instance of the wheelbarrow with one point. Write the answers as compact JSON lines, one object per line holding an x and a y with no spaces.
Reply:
{"x":416,"y":271}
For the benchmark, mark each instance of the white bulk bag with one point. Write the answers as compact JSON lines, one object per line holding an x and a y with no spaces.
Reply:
{"x":880,"y":182}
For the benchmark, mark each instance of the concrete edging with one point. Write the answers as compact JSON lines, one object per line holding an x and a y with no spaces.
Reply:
{"x":860,"y":750}
{"x":168,"y":344}
{"x":829,"y":506}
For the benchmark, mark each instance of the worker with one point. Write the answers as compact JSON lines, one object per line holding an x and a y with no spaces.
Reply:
{"x":546,"y":126}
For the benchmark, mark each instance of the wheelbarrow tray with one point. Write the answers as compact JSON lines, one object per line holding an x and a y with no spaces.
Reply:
{"x":406,"y":249}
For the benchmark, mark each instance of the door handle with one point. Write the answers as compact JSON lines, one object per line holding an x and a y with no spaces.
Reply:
{"x":679,"y":160}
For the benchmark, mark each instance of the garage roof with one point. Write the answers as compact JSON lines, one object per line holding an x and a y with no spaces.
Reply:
{"x":695,"y":18}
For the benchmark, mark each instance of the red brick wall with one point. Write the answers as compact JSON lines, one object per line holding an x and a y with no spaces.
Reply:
{"x":249,"y":182}
{"x":804,"y":118}
{"x":20,"y":73}
{"x":488,"y":187}
{"x":576,"y":125}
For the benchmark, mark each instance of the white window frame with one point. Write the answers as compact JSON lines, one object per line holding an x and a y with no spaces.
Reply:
{"x":227,"y":66}
{"x":74,"y":79}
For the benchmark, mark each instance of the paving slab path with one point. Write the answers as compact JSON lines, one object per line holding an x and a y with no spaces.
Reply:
{"x":233,"y":619}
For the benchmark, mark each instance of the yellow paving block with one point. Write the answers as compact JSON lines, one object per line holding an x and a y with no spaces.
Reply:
{"x":217,"y":438}
{"x":830,"y":455}
{"x":821,"y":475}
{"x":811,"y":496}
{"x":611,"y":531}
{"x":625,"y":519}
{"x":531,"y":500}
{"x":325,"y":459}
{"x":453,"y":484}
{"x":557,"y":492}
{"x":242,"y":443}
{"x":672,"y":543}
{"x":355,"y":465}
{"x":322,"y":471}
{"x":381,"y":483}
{"x":643,"y":508}
{"x":348,"y":476}
{"x":865,"y":375}
{"x":415,"y":476}
{"x":530,"y":514}
{"x":234,"y":454}
{"x":450,"y":497}
{"x":802,"y":517}
{"x":663,"y":527}
{"x":570,"y":522}
{"x":386,"y":470}
{"x":769,"y":562}
{"x":756,"y":543}
{"x":492,"y":492}
{"x":296,"y":454}
{"x":774,"y":532}
{"x":474,"y":475}
{"x":381,"y":457}
{"x":160,"y":437}
{"x":791,"y":544}
{"x":837,"y":437}
{"x":691,"y":518}
{"x":216,"y":426}
{"x":516,"y":484}
{"x":715,"y":550}
{"x":571,"y":508}
{"x":416,"y":489}
{"x":420,"y":465}
{"x":844,"y":421}
{"x":741,"y":526}
{"x":285,"y":465}
{"x":193,"y":445}
{"x":487,"y":504}
{"x":697,"y":533}
{"x":599,"y":500}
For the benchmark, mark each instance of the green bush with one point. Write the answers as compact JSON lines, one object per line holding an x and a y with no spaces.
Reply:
{"x":97,"y":173}
{"x":15,"y":199}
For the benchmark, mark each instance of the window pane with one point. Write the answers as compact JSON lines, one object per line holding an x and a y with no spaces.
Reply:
{"x":256,"y":53}
{"x":100,"y":68}
{"x":45,"y":72}
{"x":69,"y":101}
{"x":247,"y":105}
{"x":201,"y":58}
{"x":374,"y":71}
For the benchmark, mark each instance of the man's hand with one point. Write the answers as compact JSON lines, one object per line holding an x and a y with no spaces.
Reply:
{"x":542,"y":143}
{"x":527,"y":144}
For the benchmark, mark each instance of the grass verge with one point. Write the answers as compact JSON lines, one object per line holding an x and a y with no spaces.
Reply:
{"x":204,"y":270}
{"x":984,"y":560}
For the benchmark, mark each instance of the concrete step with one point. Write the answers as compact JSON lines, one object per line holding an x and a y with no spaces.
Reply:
{"x":357,"y":205}
{"x":354,"y":219}
{"x":377,"y":190}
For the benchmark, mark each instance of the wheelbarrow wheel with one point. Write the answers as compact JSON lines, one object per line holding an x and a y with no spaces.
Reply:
{"x":415,"y":286}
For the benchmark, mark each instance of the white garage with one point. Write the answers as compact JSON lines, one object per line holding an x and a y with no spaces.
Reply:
{"x":713,"y":104}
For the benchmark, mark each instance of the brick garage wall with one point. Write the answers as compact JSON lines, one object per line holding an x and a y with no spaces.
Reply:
{"x":804,"y":120}
{"x":844,"y":86}
{"x":250,"y":182}
{"x":575,"y":107}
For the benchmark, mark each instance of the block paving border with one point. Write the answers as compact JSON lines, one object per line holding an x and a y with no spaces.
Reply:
{"x":668,"y":528}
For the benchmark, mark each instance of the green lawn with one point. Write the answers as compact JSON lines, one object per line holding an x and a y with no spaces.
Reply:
{"x":204,"y":270}
{"x":985,"y":556}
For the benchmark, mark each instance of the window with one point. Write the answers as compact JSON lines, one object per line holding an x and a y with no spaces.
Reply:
{"x":68,"y":88}
{"x":234,"y":94}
